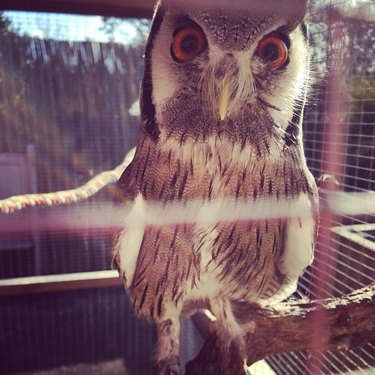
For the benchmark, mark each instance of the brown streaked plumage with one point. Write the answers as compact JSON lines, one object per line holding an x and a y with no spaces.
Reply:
{"x":224,"y":124}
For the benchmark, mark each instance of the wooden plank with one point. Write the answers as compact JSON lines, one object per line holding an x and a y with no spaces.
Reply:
{"x":59,"y":283}
{"x":120,"y":8}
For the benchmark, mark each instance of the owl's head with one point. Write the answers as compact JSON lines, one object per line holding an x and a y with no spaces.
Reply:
{"x":235,"y":69}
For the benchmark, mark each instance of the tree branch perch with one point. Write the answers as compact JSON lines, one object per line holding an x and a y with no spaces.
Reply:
{"x":331,"y":324}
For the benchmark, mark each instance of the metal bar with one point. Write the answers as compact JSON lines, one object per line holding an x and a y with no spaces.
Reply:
{"x":59,"y":283}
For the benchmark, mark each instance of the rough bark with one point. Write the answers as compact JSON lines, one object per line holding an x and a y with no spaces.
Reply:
{"x":331,"y":324}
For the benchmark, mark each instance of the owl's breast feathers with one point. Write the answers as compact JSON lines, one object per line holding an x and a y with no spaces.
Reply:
{"x":240,"y":259}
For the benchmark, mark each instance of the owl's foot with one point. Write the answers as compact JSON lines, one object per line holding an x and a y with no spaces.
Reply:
{"x":168,"y":347}
{"x":249,"y":328}
{"x":232,"y":327}
{"x":169,"y":366}
{"x":231,"y":360}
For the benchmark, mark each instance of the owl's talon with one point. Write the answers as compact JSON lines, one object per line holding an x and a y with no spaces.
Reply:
{"x":250,"y":327}
{"x":169,"y":366}
{"x":170,"y":372}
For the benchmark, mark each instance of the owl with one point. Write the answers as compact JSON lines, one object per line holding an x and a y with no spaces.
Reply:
{"x":222,"y":102}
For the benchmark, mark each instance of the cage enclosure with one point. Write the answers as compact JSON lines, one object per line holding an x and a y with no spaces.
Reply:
{"x":70,"y":74}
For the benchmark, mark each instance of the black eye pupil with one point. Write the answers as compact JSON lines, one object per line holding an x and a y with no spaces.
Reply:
{"x":189,"y":44}
{"x":271,"y":52}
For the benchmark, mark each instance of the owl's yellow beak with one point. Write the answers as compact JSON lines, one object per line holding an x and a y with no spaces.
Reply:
{"x":224,"y":100}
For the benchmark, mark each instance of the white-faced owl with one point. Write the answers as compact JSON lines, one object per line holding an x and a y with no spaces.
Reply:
{"x":222,"y":102}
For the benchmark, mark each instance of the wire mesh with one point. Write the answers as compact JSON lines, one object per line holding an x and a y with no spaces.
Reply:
{"x":73,"y":131}
{"x":75,"y":100}
{"x":342,"y":93}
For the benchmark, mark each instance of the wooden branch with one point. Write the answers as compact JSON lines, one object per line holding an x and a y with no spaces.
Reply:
{"x":332,"y":324}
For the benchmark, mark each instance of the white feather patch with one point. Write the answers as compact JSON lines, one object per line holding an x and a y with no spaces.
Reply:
{"x":216,"y":152}
{"x":299,"y":242}
{"x":164,"y":80}
{"x":290,"y":89}
{"x":130,"y":239}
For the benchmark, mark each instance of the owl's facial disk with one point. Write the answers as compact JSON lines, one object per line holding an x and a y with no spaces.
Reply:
{"x":224,"y":66}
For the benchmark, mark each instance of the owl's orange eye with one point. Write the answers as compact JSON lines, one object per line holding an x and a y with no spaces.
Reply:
{"x":274,"y":50}
{"x":188,"y":43}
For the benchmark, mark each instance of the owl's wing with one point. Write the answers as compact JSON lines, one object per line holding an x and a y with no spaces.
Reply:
{"x":300,"y":236}
{"x":156,"y":261}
